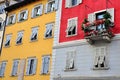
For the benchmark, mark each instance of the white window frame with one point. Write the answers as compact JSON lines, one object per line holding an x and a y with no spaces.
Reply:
{"x":9,"y":21}
{"x":15,"y":68}
{"x":68,"y":3}
{"x":70,"y":60}
{"x":45,"y":64}
{"x":100,"y":58}
{"x":2,"y":8}
{"x":19,"y":37}
{"x":54,"y":7}
{"x":40,"y":11}
{"x":92,"y":16}
{"x":70,"y":26}
{"x":25,"y":17}
{"x":34,"y":33}
{"x":8,"y":40}
{"x":2,"y":68}
{"x":34,"y":66}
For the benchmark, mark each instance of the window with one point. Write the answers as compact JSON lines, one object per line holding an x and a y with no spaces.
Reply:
{"x":52,"y":5}
{"x":37,"y":11}
{"x":1,"y":25}
{"x":19,"y":37}
{"x":100,"y":15}
{"x":15,"y":67}
{"x":23,"y":15}
{"x":34,"y":34}
{"x":45,"y":64}
{"x":11,"y":19}
{"x":72,"y":27}
{"x":31,"y":66}
{"x":70,"y":60}
{"x":100,"y":61}
{"x":49,"y":30}
{"x":2,"y":68}
{"x":70,"y":3}
{"x":7,"y":42}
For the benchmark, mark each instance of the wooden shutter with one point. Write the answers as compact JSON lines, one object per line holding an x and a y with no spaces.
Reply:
{"x":67,"y":3}
{"x":46,"y":64}
{"x":56,"y":4}
{"x":79,"y":1}
{"x":19,"y":17}
{"x":34,"y":66}
{"x":32,"y":14}
{"x":97,"y":52}
{"x":111,"y":11}
{"x":41,"y":9}
{"x":21,"y":69}
{"x":28,"y":66}
{"x":15,"y":67}
{"x":91,"y":17}
{"x":26,"y":14}
{"x":42,"y":67}
{"x":46,"y":8}
{"x":7,"y":20}
{"x":14,"y":18}
{"x":102,"y":54}
{"x":2,"y":71}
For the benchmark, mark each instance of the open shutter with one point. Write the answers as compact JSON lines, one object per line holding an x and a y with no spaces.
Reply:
{"x":14,"y":18}
{"x":18,"y":17}
{"x":46,"y":8}
{"x":21,"y":69}
{"x":72,"y":55}
{"x":42,"y":67}
{"x":40,"y":10}
{"x":28,"y":66}
{"x":56,"y":4}
{"x":35,"y":66}
{"x":26,"y":15}
{"x":67,"y":3}
{"x":102,"y":55}
{"x":97,"y":52}
{"x":91,"y":17}
{"x":111,"y":11}
{"x":15,"y":67}
{"x":7,"y":20}
{"x":32,"y":14}
{"x":79,"y":1}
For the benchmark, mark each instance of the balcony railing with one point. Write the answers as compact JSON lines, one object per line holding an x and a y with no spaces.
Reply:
{"x":98,"y":30}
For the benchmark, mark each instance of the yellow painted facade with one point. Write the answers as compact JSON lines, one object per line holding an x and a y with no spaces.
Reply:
{"x":28,"y":48}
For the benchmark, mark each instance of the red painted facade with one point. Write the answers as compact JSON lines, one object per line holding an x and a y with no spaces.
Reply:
{"x":81,"y":12}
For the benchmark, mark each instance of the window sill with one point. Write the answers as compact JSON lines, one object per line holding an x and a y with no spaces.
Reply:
{"x":7,"y":46}
{"x":45,"y":74}
{"x":29,"y":74}
{"x":19,"y":44}
{"x":71,"y":35}
{"x":34,"y":40}
{"x":48,"y":37}
{"x":22,"y":21}
{"x":13,"y":75}
{"x":67,"y":70}
{"x":50,"y":12}
{"x":10,"y":24}
{"x":36,"y":16}
{"x":105,"y":68}
{"x":73,"y":6}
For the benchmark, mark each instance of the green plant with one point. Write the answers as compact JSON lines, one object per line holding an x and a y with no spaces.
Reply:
{"x":107,"y":15}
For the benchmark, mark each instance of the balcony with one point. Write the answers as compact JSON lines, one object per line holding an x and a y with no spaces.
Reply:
{"x":98,"y":30}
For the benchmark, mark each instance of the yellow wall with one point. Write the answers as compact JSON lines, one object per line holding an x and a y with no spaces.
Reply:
{"x":28,"y":49}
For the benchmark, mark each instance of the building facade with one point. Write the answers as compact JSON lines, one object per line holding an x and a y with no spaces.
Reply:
{"x":86,"y":43}
{"x":28,"y":40}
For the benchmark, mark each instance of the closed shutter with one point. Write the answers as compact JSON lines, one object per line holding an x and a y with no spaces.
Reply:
{"x":56,"y":4}
{"x":79,"y":1}
{"x":15,"y":67}
{"x":2,"y":69}
{"x":34,"y":66}
{"x":102,"y":55}
{"x":14,"y":18}
{"x":46,"y":8}
{"x":91,"y":17}
{"x":72,"y":56}
{"x":111,"y":11}
{"x":28,"y":67}
{"x":7,"y":20}
{"x":21,"y":69}
{"x":42,"y":67}
{"x":46,"y":64}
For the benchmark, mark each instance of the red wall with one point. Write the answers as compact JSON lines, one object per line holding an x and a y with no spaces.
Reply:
{"x":80,"y":12}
